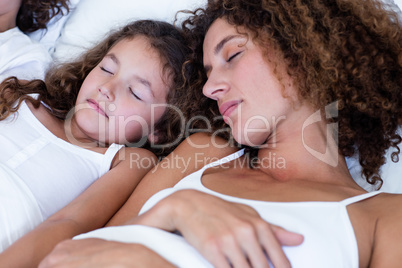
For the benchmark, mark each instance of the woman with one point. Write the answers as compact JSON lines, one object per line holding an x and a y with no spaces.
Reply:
{"x":305,"y":83}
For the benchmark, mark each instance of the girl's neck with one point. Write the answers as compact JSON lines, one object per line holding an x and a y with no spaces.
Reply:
{"x":76,"y":136}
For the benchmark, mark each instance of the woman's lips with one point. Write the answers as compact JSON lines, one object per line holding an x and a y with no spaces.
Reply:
{"x":227,"y":108}
{"x":95,"y":105}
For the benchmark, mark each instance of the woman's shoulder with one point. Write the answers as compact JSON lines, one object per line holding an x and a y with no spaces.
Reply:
{"x":206,"y":142}
{"x":388,"y":232}
{"x":389,"y":203}
{"x":203,"y":148}
{"x":384,"y":207}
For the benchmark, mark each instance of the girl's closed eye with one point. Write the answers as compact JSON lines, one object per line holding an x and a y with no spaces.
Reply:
{"x":134,"y":94}
{"x":105,"y":70}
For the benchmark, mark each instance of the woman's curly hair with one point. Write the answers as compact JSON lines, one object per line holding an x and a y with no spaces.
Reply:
{"x":336,"y":50}
{"x":61,"y":86}
{"x":34,"y":15}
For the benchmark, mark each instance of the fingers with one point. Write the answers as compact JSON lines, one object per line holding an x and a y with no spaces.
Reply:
{"x":231,"y":234}
{"x":251,"y":244}
{"x":241,"y":246}
{"x":287,"y":238}
{"x":252,"y":248}
{"x":233,"y":252}
{"x":214,"y":254}
{"x":258,"y":243}
{"x":272,"y":246}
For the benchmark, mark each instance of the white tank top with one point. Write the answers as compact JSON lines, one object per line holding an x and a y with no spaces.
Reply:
{"x":329,"y":239}
{"x":54,"y":170}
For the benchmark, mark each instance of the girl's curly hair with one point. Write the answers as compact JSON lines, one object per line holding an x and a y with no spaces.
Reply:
{"x":34,"y":15}
{"x":61,"y":86}
{"x":336,"y":50}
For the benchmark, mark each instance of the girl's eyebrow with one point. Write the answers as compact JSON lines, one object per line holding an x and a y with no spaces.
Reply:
{"x":113,"y":58}
{"x":146,"y":83}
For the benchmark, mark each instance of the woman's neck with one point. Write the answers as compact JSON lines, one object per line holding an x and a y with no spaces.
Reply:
{"x":303,"y":147}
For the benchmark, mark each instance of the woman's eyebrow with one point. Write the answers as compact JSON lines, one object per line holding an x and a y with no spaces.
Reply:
{"x":220,"y":45}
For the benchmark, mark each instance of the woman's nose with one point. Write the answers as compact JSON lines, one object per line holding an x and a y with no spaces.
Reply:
{"x":215,"y":87}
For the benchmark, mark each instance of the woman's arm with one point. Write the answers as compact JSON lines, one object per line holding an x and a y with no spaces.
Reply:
{"x":100,"y":253}
{"x":91,"y":210}
{"x":218,"y":229}
{"x":223,"y":232}
{"x":236,"y":223}
{"x":192,"y":154}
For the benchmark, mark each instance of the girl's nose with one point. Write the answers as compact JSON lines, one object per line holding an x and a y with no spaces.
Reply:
{"x":107,"y":91}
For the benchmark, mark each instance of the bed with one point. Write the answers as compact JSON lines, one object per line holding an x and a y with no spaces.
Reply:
{"x":89,"y":21}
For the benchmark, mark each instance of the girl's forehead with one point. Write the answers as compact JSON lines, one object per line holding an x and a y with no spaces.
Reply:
{"x":139,"y":58}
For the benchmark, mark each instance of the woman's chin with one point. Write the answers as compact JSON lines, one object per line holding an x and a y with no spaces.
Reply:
{"x":252,"y":141}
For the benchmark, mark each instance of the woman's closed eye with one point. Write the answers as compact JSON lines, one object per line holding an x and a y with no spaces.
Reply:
{"x":233,"y":56}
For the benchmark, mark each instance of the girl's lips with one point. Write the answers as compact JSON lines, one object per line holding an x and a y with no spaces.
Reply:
{"x":95,"y":105}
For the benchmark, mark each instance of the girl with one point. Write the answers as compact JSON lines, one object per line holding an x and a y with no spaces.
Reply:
{"x":307,"y":83}
{"x":59,"y":137}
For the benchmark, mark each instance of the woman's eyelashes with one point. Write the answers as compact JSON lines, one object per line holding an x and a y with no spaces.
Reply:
{"x":233,"y":56}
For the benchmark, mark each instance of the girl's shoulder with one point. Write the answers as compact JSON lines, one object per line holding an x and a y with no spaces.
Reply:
{"x":135,"y":156}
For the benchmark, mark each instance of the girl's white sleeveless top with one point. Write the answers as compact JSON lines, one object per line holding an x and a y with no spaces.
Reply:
{"x":40,"y":173}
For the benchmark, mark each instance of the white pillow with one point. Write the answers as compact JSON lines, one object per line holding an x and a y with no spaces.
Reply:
{"x":399,"y":3}
{"x":92,"y":20}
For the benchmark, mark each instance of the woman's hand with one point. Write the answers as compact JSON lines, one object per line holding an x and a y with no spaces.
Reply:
{"x":225,"y":233}
{"x":100,"y":253}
